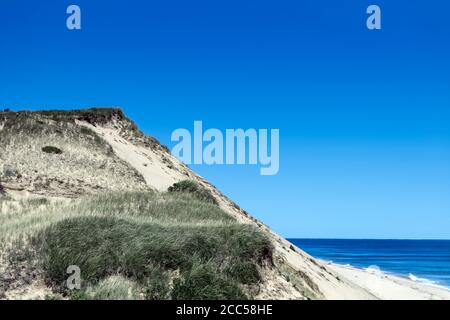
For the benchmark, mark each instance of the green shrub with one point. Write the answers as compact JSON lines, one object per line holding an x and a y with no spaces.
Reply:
{"x":189,"y":186}
{"x":52,"y":150}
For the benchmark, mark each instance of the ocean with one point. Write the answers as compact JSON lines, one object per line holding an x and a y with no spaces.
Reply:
{"x":419,"y":260}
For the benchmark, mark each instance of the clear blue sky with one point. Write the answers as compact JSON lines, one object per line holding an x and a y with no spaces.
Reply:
{"x":364,"y":116}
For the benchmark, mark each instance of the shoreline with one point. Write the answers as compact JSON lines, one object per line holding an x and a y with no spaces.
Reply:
{"x":419,"y":280}
{"x":387,"y":286}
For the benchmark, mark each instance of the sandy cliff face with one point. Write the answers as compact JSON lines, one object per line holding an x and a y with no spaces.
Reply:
{"x":104,"y":151}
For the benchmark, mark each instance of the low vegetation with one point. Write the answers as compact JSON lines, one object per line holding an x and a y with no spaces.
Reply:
{"x":177,"y":244}
{"x":193,"y":188}
{"x":93,"y":115}
{"x":61,"y":123}
{"x":112,"y":288}
{"x":52,"y":150}
{"x":140,"y":245}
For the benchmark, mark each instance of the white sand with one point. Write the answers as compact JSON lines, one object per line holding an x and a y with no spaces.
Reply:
{"x":389,"y":287}
{"x":147,"y":162}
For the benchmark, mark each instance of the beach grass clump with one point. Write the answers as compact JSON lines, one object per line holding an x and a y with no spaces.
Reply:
{"x":191,"y":187}
{"x":205,"y":256}
{"x":203,"y":282}
{"x":149,"y":245}
{"x":112,"y":288}
{"x":29,"y":216}
{"x":150,"y":206}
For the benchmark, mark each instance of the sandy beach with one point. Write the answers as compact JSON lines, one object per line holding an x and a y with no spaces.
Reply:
{"x":389,"y":287}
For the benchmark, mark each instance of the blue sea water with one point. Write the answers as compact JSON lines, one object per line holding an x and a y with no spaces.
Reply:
{"x":419,"y":260}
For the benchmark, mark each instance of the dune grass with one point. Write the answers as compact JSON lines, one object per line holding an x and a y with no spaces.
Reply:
{"x":112,"y":288}
{"x":193,"y":188}
{"x":31,"y":215}
{"x":141,"y":245}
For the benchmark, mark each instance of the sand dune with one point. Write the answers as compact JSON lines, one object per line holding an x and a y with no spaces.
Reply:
{"x":115,"y":156}
{"x":334,"y":282}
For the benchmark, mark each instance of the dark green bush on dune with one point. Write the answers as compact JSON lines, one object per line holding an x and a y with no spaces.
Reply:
{"x":52,"y":150}
{"x":191,"y":187}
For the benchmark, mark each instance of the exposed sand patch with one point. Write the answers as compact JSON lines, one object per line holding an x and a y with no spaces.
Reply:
{"x":149,"y":164}
{"x":35,"y":291}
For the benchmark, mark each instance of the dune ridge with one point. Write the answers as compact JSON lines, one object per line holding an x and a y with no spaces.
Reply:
{"x":104,"y":152}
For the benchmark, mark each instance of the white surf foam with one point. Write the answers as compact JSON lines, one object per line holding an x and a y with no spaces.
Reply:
{"x":417,"y":279}
{"x":374,"y":270}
